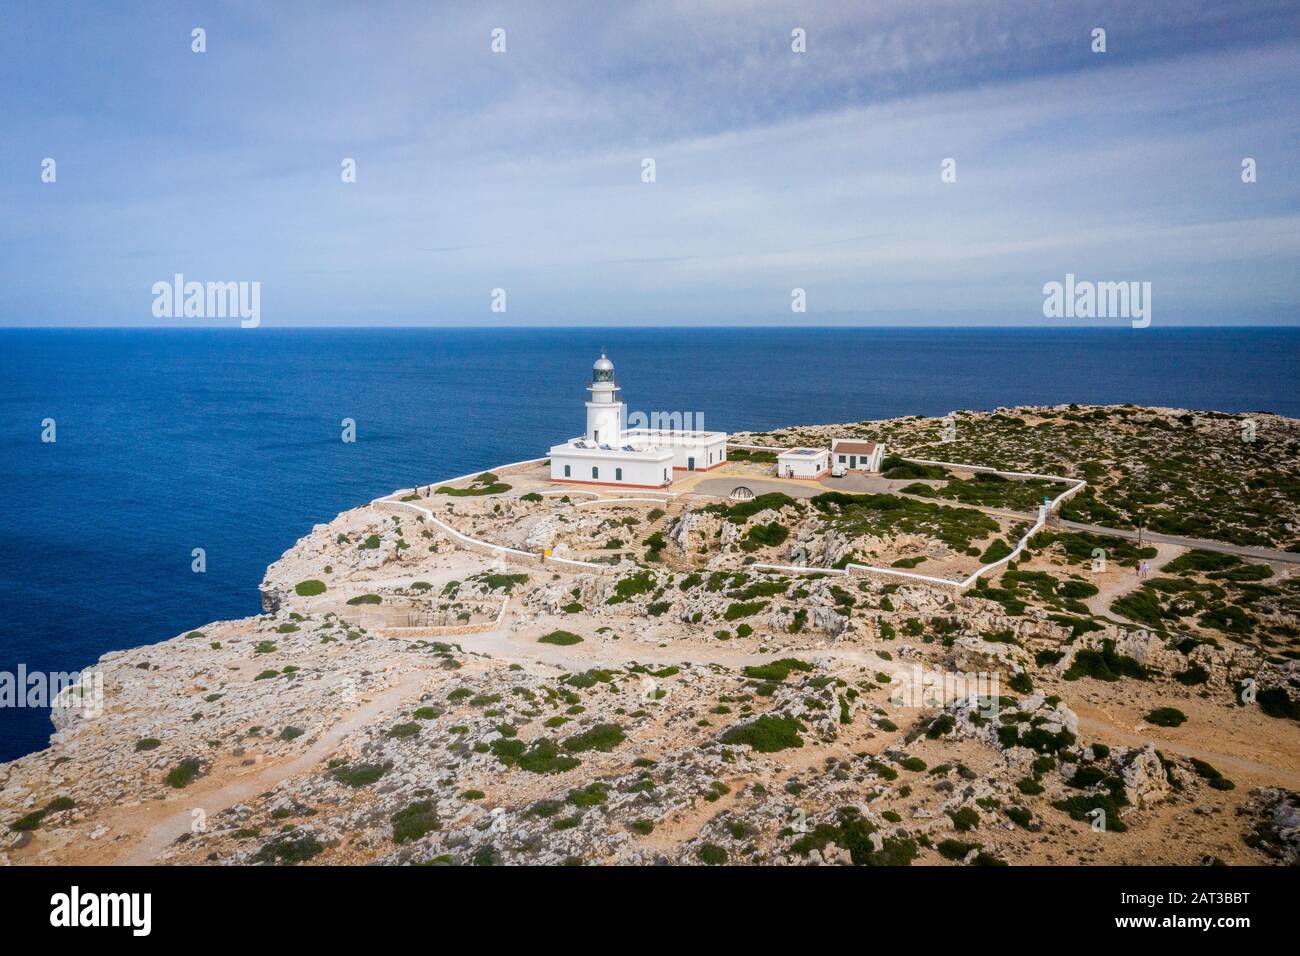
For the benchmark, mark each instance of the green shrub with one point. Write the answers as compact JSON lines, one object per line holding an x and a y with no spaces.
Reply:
{"x":365,"y":599}
{"x":1195,"y":674}
{"x":1105,"y":664}
{"x":742,"y":511}
{"x":777,"y":670}
{"x":739,"y":609}
{"x":414,"y":821}
{"x":1275,"y":702}
{"x":1216,"y":779}
{"x":1197,"y":560}
{"x":478,"y":488}
{"x":1019,"y":816}
{"x":940,"y":726}
{"x":497,"y":582}
{"x":602,"y":737}
{"x":1079,"y":807}
{"x":955,"y":849}
{"x":147,"y":743}
{"x":290,"y":848}
{"x":853,"y":831}
{"x":965,"y":818}
{"x":642,"y":582}
{"x":1166,"y":717}
{"x":183,"y":774}
{"x":361,"y":775}
{"x":309,"y":588}
{"x":588,"y":796}
{"x":996,"y":551}
{"x":1142,"y":606}
{"x":563,"y":638}
{"x":1021,"y":683}
{"x":711,"y":854}
{"x":766,"y":734}
{"x":1230,"y":619}
{"x":767,"y":535}
{"x":543,"y":756}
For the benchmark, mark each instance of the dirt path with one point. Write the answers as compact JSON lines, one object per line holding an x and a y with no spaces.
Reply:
{"x":1110,"y":731}
{"x":1128,"y":581}
{"x":167,"y":822}
{"x":518,"y":648}
{"x":150,"y":830}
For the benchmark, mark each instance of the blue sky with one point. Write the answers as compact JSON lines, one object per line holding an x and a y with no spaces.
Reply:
{"x":775,"y":170}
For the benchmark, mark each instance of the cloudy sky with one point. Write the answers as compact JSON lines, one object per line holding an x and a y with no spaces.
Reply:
{"x":775,"y":170}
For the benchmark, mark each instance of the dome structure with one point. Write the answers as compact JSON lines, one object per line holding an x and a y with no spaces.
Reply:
{"x":602,"y":370}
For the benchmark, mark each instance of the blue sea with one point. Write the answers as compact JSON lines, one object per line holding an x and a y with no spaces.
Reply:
{"x":170,"y":440}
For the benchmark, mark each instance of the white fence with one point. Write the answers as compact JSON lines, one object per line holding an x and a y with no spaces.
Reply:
{"x":479,"y":542}
{"x":1076,"y":485}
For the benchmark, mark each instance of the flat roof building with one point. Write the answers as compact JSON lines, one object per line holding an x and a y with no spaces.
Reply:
{"x":803,"y":463}
{"x":611,"y":454}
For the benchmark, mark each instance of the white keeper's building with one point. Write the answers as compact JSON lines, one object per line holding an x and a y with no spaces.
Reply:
{"x":803,"y":463}
{"x":609,"y":454}
{"x":857,"y":455}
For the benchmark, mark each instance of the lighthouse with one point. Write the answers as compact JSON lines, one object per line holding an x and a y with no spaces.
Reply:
{"x":604,"y":410}
{"x":610,"y":454}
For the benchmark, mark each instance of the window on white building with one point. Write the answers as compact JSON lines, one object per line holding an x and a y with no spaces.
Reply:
{"x":595,"y":472}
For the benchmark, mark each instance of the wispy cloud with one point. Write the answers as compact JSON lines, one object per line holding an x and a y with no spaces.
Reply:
{"x":522,"y":170}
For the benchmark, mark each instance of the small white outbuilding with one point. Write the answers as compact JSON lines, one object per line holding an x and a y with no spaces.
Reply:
{"x":802,"y":463}
{"x":857,"y":455}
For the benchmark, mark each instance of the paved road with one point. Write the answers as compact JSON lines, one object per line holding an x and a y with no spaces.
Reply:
{"x":722,"y":487}
{"x":1260,"y":554}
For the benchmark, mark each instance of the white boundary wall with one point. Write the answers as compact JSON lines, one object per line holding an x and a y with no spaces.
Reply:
{"x":478,"y":542}
{"x":1076,"y":485}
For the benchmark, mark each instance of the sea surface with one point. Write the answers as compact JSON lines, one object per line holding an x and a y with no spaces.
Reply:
{"x":230,"y":441}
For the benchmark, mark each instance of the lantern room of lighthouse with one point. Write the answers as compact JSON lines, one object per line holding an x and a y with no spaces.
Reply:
{"x":604,"y":410}
{"x":610,"y":454}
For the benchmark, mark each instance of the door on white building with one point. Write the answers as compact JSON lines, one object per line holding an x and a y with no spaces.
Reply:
{"x":853,"y":461}
{"x":690,"y":464}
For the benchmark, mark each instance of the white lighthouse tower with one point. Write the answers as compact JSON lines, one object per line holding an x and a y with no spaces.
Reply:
{"x":604,"y":410}
{"x":609,"y":454}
